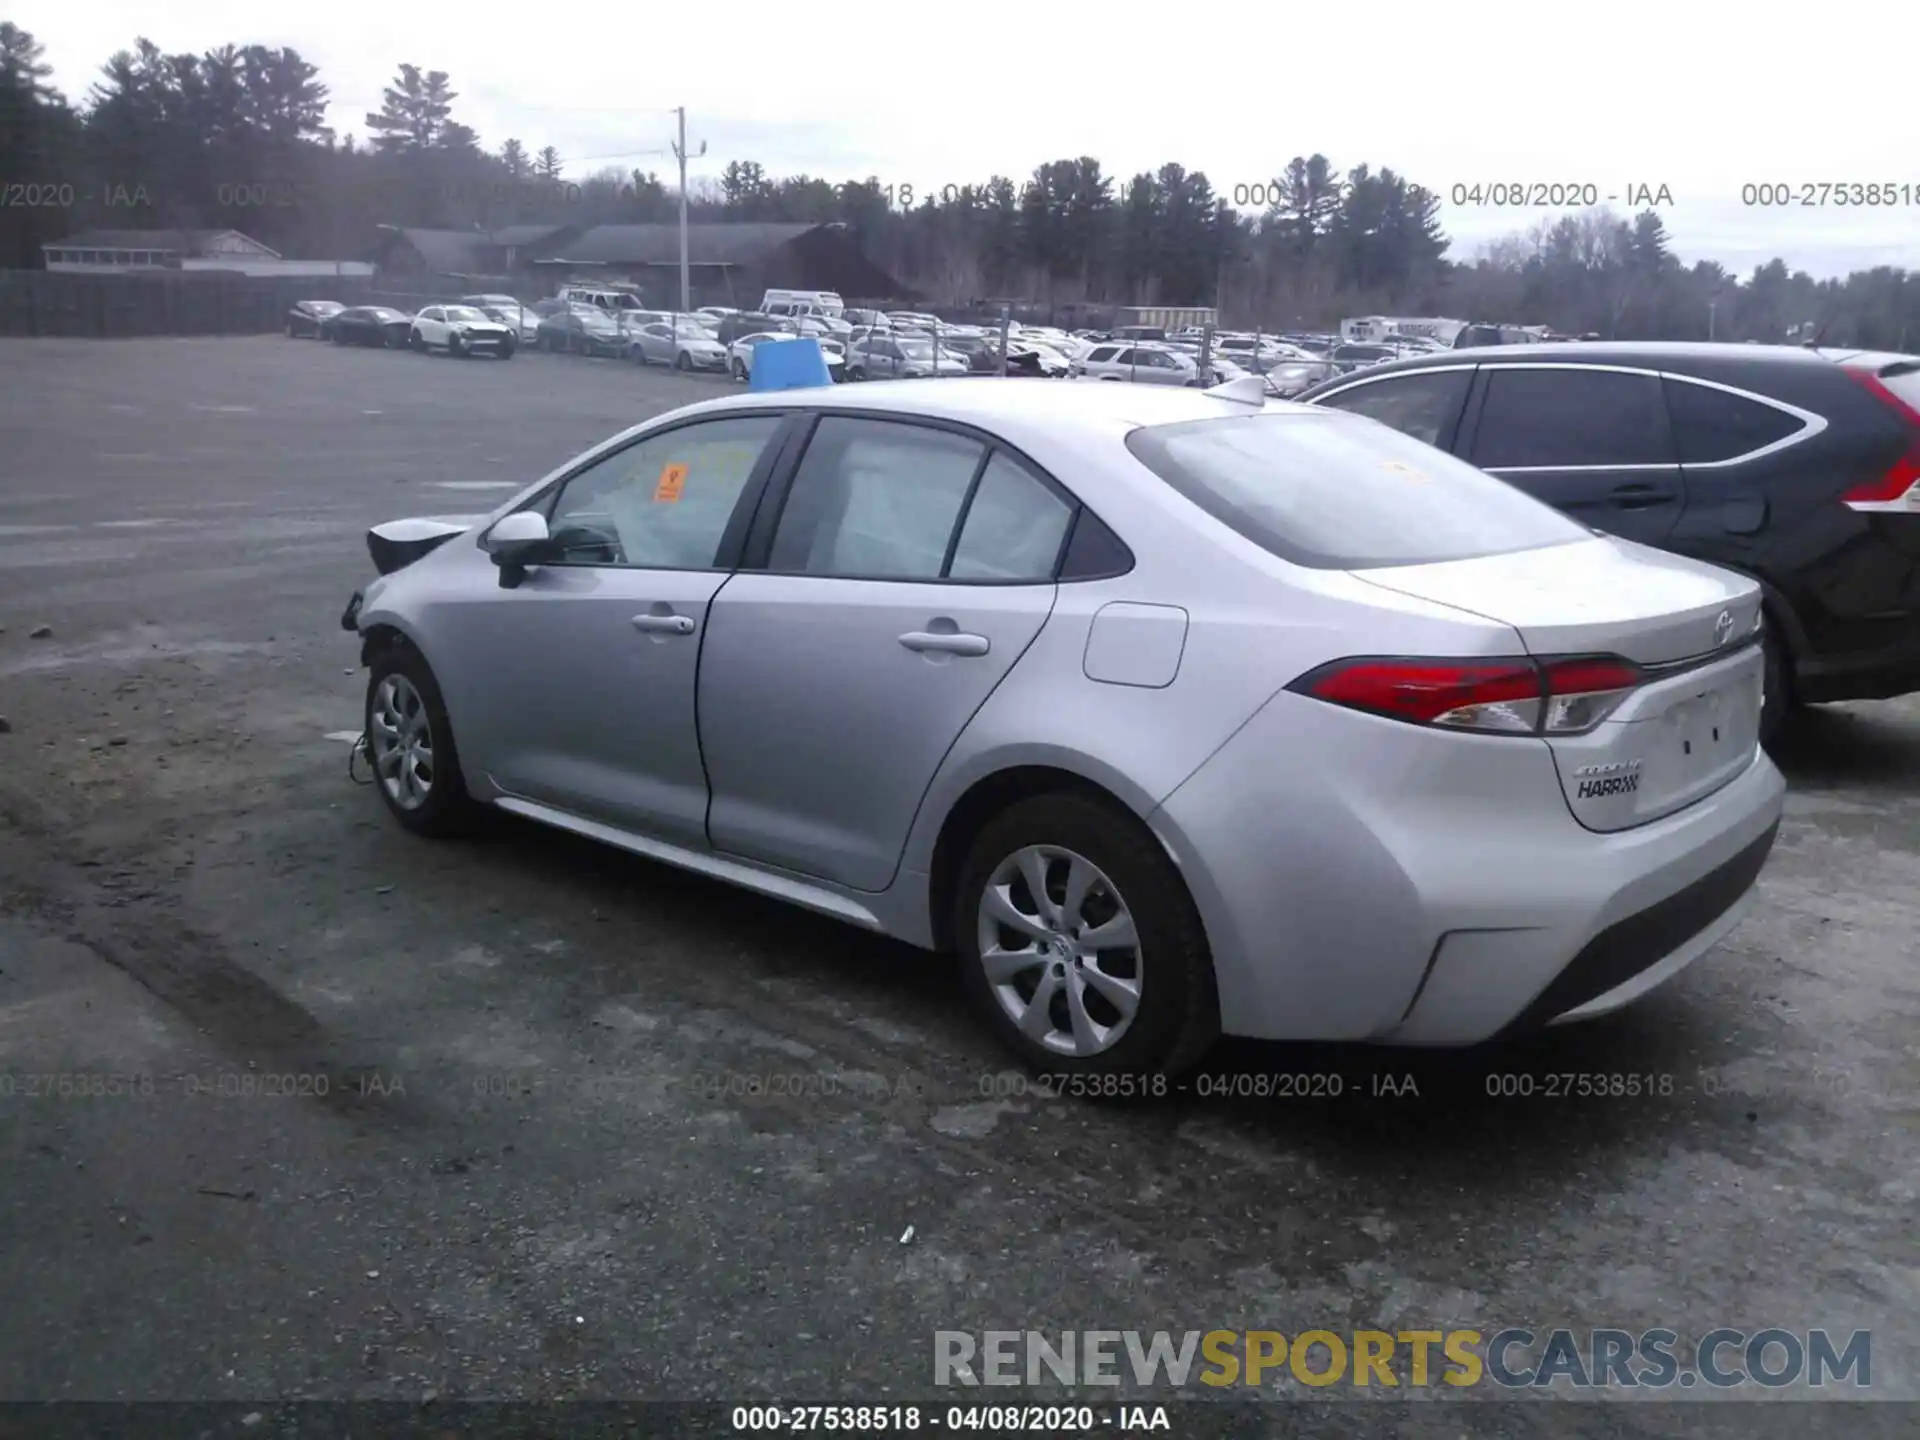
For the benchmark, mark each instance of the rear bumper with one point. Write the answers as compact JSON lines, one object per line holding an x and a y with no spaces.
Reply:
{"x":1428,"y":889}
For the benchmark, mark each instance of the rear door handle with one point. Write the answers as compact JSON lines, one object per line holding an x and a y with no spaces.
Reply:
{"x":1639,"y":497}
{"x":664,"y":624}
{"x":948,"y":643}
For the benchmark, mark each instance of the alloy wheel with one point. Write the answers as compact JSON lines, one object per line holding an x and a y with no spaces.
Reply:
{"x":1060,"y":950}
{"x":400,"y":735}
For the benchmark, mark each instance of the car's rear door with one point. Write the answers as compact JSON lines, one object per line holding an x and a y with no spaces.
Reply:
{"x":1592,"y":440}
{"x":884,"y":596}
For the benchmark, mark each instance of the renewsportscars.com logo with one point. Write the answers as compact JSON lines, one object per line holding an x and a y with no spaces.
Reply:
{"x":1511,"y":1358}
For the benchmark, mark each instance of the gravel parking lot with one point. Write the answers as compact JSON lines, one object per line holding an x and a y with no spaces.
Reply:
{"x":531,"y":1172}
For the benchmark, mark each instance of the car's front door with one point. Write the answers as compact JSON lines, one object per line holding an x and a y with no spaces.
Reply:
{"x":909,"y":569}
{"x":1592,"y":441}
{"x":578,"y":684}
{"x":428,"y":326}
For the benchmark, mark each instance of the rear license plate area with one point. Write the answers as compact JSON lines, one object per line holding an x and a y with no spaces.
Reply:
{"x":1706,"y":729}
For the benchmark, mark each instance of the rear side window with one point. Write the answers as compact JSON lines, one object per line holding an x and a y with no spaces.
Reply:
{"x":1710,"y":424}
{"x":1322,"y":491}
{"x":1104,"y":354}
{"x":1553,"y":419}
{"x":1014,"y":527}
{"x":1423,"y":404}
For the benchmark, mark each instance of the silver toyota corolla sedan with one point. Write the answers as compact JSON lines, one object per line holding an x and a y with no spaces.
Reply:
{"x":1169,"y":711}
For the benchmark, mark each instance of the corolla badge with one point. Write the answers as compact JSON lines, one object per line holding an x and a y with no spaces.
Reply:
{"x":1723,"y":628}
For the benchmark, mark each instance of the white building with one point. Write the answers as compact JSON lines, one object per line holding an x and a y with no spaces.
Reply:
{"x":132,"y":252}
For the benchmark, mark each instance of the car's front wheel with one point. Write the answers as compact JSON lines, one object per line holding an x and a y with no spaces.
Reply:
{"x":857,"y":373}
{"x":739,"y":368}
{"x":682,"y":361}
{"x":456,"y":347}
{"x":410,"y":744}
{"x":416,"y":341}
{"x":1081,"y":945}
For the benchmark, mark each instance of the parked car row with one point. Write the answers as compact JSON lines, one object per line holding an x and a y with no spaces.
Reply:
{"x":455,"y":330}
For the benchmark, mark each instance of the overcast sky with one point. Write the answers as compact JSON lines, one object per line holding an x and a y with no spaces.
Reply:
{"x":1692,"y":97}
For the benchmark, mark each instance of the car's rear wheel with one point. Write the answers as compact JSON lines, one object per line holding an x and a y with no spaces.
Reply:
{"x":857,"y":373}
{"x":1080,"y":943}
{"x":410,"y":744}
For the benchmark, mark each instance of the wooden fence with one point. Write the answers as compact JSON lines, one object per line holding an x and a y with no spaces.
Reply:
{"x":173,"y":302}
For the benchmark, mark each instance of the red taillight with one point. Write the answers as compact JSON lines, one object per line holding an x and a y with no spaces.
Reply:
{"x":1490,"y":697}
{"x":1899,"y":489}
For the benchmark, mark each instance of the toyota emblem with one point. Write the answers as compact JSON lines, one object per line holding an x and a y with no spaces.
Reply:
{"x":1723,"y":628}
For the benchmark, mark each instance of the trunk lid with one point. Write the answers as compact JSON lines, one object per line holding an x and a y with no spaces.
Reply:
{"x":1690,"y":727}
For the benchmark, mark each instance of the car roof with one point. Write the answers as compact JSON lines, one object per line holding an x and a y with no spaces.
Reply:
{"x":997,"y":405}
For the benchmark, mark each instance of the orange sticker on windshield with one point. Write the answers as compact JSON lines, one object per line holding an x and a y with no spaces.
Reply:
{"x":673,"y":479}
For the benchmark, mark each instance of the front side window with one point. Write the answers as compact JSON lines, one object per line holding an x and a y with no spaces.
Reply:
{"x":875,"y":499}
{"x":664,"y":502}
{"x":1424,"y":405}
{"x":1554,"y":419}
{"x":1319,"y":489}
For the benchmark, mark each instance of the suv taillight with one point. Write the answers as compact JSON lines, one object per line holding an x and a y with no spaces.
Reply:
{"x":1898,"y":490}
{"x":1563,"y":696}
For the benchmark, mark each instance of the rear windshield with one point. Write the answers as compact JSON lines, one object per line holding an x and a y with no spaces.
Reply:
{"x":1340,"y":492}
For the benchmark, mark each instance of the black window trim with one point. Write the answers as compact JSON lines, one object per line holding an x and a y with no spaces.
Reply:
{"x":1483,"y":386}
{"x":772,"y":502}
{"x":733,"y":536}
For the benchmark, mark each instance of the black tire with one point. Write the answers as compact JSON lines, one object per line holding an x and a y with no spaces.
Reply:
{"x":416,"y":342}
{"x":681,"y":362}
{"x":1779,"y":688}
{"x":506,"y":349}
{"x":739,"y":369}
{"x":447,"y":808}
{"x":857,"y":373}
{"x":456,"y":348}
{"x":292,"y":333}
{"x":1178,"y":1018}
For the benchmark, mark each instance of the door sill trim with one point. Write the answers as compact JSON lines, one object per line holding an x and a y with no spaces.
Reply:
{"x":779,"y":885}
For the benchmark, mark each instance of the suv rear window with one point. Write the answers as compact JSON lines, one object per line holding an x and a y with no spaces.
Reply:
{"x":1327,"y":491}
{"x":1710,"y":424}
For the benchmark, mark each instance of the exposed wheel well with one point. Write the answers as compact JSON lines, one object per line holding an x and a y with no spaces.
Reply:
{"x":378,"y":639}
{"x":970,"y":815}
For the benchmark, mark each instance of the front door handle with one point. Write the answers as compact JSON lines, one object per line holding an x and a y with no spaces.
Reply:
{"x":1639,"y":497}
{"x":664,"y":624}
{"x":945,"y":643}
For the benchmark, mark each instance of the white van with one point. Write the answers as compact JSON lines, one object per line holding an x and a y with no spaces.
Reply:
{"x":599,"y":297}
{"x":802,"y":302}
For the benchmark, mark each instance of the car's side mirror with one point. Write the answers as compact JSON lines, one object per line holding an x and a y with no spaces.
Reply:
{"x":517,"y":541}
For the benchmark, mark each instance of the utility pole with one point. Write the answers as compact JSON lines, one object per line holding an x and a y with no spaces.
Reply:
{"x":680,"y":154}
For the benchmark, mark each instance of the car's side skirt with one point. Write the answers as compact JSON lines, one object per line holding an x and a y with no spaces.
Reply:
{"x":780,"y":884}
